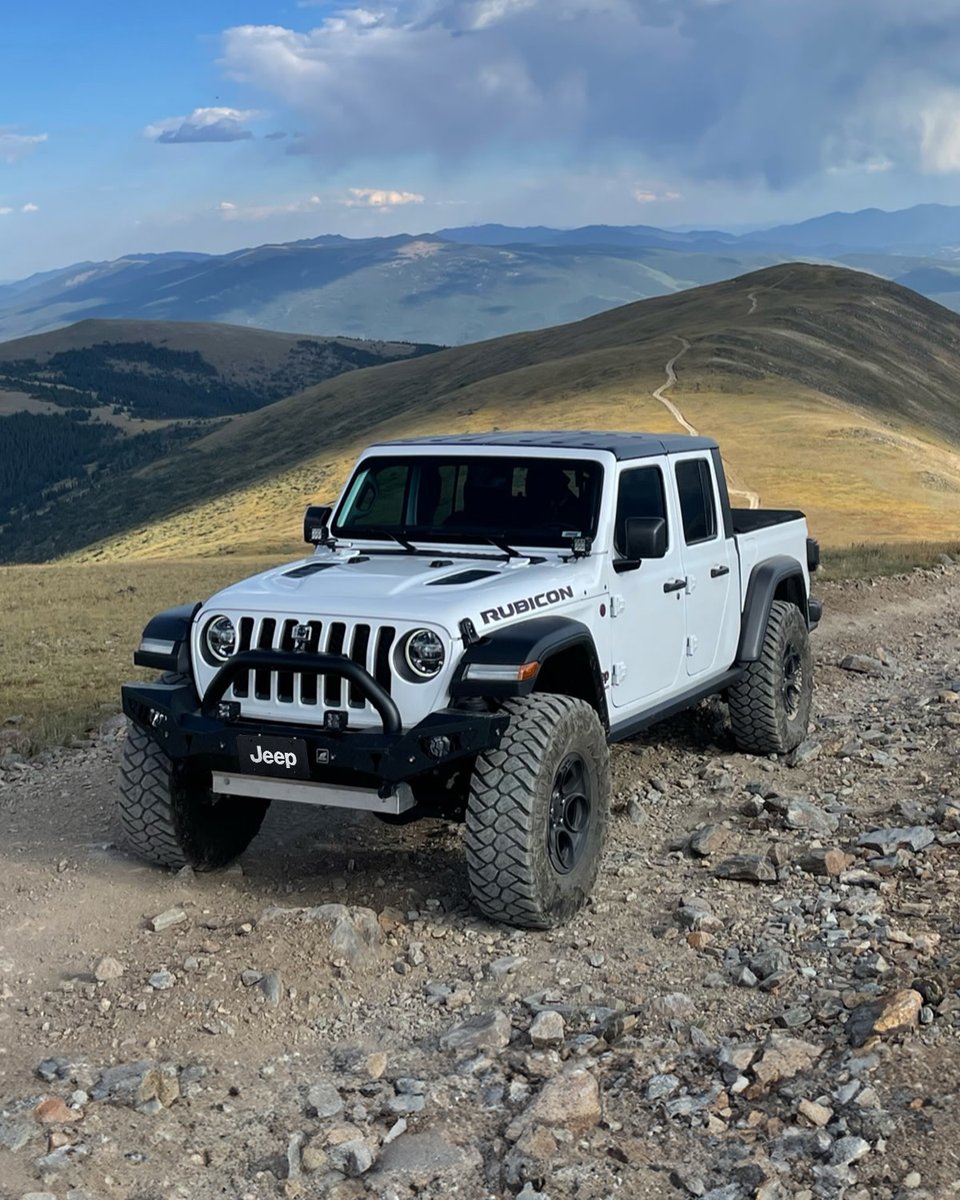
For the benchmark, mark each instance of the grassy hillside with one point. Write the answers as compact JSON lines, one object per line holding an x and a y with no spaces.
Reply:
{"x":828,"y":389}
{"x":84,"y":405}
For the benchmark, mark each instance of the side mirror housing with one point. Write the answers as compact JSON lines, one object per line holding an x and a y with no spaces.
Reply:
{"x":646,"y":537}
{"x":315,"y":524}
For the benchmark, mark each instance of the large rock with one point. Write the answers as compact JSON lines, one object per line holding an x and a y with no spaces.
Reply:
{"x":419,"y":1158}
{"x":797,"y":813}
{"x":747,"y":868}
{"x":708,"y":839}
{"x":486,"y":1031}
{"x":138,"y":1083}
{"x":824,"y":860}
{"x":570,"y":1101}
{"x":355,"y":936}
{"x":863,"y":664}
{"x":887,"y":841}
{"x":782,"y":1058}
{"x":893,"y":1014}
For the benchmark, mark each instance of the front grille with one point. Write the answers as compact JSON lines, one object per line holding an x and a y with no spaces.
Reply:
{"x":370,"y":648}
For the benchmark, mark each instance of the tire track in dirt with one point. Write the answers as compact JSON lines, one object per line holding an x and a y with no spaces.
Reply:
{"x":752,"y":498}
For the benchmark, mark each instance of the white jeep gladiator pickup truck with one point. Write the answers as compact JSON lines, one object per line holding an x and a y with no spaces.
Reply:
{"x":479,"y":617}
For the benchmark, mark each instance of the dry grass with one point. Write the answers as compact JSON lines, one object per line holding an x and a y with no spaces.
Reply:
{"x":864,"y":561}
{"x":68,"y":632}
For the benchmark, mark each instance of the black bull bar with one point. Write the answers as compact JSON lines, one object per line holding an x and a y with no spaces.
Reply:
{"x":204,"y":733}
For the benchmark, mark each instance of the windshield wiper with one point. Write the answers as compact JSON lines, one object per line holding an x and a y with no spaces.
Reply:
{"x":389,"y":536}
{"x":502,"y":545}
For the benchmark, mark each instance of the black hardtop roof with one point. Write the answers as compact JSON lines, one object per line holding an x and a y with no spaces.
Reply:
{"x":620,"y":445}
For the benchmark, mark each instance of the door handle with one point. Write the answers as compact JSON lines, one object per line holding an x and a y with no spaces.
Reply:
{"x":716,"y":572}
{"x":675,"y":585}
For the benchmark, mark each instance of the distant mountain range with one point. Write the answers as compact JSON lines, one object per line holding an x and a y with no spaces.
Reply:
{"x":466,"y":284}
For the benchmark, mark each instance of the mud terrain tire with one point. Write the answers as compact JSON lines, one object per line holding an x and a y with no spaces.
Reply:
{"x":770,"y":706}
{"x":537,"y":813}
{"x":175,"y":821}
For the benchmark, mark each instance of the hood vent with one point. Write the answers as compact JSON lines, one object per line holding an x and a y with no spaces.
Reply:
{"x":310,"y":568}
{"x":463,"y":577}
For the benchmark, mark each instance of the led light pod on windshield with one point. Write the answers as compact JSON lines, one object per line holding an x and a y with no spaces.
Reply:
{"x":219,"y":639}
{"x":423,"y":654}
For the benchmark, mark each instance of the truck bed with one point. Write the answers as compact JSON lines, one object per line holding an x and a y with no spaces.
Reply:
{"x":748,"y":520}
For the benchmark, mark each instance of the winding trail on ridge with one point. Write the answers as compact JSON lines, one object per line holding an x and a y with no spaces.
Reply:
{"x":752,"y":498}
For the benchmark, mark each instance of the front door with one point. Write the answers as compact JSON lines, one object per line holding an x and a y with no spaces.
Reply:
{"x":648,"y":625}
{"x":710,"y":567}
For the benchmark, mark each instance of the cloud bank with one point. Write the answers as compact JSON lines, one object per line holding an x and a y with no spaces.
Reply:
{"x":735,"y":90}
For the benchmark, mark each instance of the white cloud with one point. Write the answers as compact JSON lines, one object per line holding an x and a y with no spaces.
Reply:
{"x":29,"y":207}
{"x":262,"y":212}
{"x":5,"y":211}
{"x":645,"y":196}
{"x":381,"y":198}
{"x":15,"y":145}
{"x":203,"y":125}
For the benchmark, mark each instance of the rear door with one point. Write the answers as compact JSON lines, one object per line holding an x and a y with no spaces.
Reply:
{"x":648,"y":623}
{"x":709,"y":565}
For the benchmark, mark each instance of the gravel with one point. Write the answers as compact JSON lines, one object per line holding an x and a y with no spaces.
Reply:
{"x":761,"y":1000}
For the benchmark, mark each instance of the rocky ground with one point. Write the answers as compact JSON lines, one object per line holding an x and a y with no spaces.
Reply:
{"x":762,"y":1001}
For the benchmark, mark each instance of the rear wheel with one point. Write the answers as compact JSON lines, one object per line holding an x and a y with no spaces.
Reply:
{"x":770,"y":706}
{"x":172,"y":818}
{"x":537,"y":813}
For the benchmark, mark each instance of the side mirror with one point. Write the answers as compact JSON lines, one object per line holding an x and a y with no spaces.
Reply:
{"x":646,"y":537}
{"x":315,"y":522}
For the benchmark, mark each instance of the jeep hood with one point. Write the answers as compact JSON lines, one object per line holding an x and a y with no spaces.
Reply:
{"x":434,"y":588}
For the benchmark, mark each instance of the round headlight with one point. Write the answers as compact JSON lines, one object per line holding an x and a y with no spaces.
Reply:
{"x":220,"y":638}
{"x":424,"y":653}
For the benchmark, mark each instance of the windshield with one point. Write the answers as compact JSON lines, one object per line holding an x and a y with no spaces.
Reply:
{"x":526,"y":501}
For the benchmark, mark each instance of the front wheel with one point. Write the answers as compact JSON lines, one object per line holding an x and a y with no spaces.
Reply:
{"x":537,"y":813}
{"x":770,"y":706}
{"x":174,"y":820}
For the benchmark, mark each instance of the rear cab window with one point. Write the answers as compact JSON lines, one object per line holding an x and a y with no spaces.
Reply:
{"x":698,"y":508}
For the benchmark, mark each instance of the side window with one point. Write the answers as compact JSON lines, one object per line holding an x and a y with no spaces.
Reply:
{"x":641,"y":495}
{"x":695,"y":488}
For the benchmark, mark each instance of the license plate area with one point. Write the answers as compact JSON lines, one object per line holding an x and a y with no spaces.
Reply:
{"x":279,"y":757}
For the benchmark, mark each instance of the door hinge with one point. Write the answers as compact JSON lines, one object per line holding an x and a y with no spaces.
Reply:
{"x":619,"y":673}
{"x":617,"y":605}
{"x":692,"y":644}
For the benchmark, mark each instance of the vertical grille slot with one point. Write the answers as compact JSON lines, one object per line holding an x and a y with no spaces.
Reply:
{"x":285,"y":678}
{"x":332,"y":686}
{"x":308,"y":683}
{"x":241,"y":688}
{"x":358,"y":652}
{"x":262,"y":681}
{"x":381,"y":662}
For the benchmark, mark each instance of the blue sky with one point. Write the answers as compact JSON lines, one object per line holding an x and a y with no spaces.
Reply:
{"x":212,"y":125}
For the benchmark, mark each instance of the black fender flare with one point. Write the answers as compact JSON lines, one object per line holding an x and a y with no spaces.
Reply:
{"x":539,"y":640}
{"x":165,"y":642}
{"x":765,"y":578}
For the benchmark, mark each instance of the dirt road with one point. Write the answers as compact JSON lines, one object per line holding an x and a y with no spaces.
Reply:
{"x":687,"y":1035}
{"x":752,"y":498}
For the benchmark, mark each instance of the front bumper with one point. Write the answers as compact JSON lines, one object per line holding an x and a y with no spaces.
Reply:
{"x":200,"y":734}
